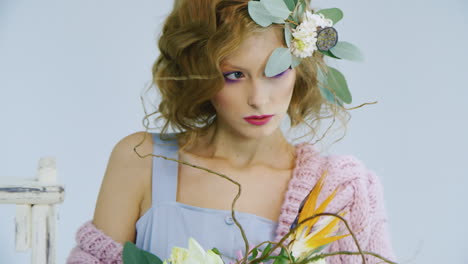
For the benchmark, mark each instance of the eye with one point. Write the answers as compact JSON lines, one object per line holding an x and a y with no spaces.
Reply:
{"x":232,"y":76}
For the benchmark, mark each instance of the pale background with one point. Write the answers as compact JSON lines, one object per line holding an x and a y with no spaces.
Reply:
{"x":71,"y":73}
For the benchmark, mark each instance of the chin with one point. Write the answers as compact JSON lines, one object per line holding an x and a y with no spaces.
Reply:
{"x":259,"y":132}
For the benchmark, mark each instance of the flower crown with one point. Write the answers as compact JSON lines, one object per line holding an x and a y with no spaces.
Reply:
{"x":306,"y":32}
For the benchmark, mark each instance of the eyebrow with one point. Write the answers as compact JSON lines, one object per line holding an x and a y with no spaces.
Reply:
{"x":234,"y":66}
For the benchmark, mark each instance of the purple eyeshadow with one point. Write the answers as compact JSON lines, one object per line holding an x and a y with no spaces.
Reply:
{"x":229,"y":80}
{"x":234,"y":81}
{"x":281,"y":74}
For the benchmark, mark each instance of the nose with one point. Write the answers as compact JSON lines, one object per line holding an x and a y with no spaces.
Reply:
{"x":258,"y":93}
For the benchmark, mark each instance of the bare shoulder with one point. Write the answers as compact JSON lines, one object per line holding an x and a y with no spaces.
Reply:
{"x":122,"y":190}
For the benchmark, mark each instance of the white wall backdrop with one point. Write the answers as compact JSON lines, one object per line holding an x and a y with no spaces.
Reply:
{"x":71,"y":73}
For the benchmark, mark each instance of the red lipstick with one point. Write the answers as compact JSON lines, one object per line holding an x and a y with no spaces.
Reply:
{"x":258,"y":120}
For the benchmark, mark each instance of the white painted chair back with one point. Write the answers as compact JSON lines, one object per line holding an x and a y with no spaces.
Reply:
{"x":35,"y":200}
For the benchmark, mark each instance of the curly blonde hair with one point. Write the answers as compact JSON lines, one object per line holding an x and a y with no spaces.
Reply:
{"x":196,"y":37}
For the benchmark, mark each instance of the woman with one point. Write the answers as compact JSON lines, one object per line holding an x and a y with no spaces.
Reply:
{"x":211,"y":76}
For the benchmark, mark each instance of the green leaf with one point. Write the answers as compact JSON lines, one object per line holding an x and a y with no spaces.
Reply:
{"x":133,"y":255}
{"x":281,"y":258}
{"x":278,"y":62}
{"x":335,"y":14}
{"x":254,"y":254}
{"x":295,"y":61}
{"x":325,"y":88}
{"x":259,"y":14}
{"x":326,"y":93}
{"x":347,"y":51}
{"x":266,"y":250}
{"x":337,"y":82}
{"x":299,"y":12}
{"x":291,"y":25}
{"x":290,"y":3}
{"x":283,"y":252}
{"x":277,"y":20}
{"x":287,"y":35}
{"x":303,"y":6}
{"x":329,"y":54}
{"x":215,"y":250}
{"x":276,"y":8}
{"x":152,"y":259}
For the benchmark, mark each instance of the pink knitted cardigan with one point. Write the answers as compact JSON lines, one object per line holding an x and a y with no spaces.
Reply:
{"x":361,"y":195}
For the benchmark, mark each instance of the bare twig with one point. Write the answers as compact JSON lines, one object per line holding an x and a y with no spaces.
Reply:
{"x":210,"y":171}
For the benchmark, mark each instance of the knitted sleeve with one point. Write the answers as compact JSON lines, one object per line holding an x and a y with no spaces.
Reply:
{"x":366,"y":216}
{"x":95,"y":247}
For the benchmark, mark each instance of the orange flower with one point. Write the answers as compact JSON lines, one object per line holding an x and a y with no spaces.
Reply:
{"x":314,"y":234}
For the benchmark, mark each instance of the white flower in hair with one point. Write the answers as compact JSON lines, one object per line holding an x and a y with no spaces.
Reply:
{"x":305,"y":35}
{"x":319,"y":19}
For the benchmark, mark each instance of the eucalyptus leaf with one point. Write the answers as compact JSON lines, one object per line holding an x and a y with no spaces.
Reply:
{"x":295,"y":17}
{"x":347,"y":51}
{"x":299,"y":12}
{"x":292,"y":18}
{"x":337,"y":82}
{"x":335,"y":14}
{"x":277,"y":20}
{"x":290,"y":3}
{"x":328,"y":53}
{"x":303,"y":5}
{"x":276,"y":8}
{"x":295,"y":61}
{"x":259,"y":14}
{"x":287,"y":35}
{"x":326,"y":93}
{"x":133,"y":255}
{"x":279,"y":61}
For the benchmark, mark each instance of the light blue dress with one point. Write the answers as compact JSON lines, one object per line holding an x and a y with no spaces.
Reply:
{"x":169,"y":223}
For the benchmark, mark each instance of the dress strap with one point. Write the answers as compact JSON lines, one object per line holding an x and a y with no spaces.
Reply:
{"x":165,"y":172}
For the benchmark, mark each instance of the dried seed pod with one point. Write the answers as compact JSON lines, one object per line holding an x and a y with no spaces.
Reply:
{"x":327,"y":38}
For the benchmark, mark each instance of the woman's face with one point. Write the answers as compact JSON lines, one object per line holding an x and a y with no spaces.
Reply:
{"x":247,"y":91}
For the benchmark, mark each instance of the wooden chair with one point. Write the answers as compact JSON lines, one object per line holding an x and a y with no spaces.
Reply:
{"x":35,"y":199}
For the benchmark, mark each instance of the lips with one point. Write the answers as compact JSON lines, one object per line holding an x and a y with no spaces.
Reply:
{"x":258,"y":117}
{"x":258,"y":120}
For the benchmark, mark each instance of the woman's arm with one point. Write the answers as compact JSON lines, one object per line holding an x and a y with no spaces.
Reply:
{"x":121,"y":193}
{"x":119,"y":201}
{"x":380,"y":240}
{"x":94,"y":247}
{"x":366,"y":211}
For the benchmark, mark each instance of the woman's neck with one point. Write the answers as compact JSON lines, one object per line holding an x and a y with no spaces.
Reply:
{"x":273,"y":151}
